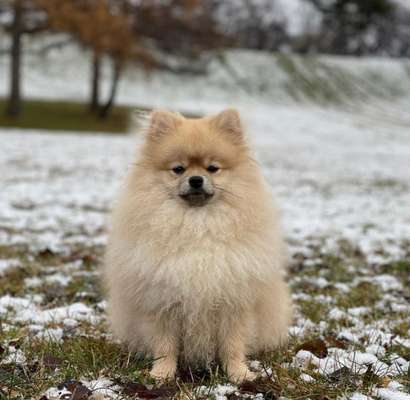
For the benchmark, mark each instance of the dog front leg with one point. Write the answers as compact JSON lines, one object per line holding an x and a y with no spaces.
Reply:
{"x":232,"y":338}
{"x":165,"y":352}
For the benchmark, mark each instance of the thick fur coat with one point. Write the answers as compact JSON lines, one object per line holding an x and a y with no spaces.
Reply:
{"x":193,"y":279}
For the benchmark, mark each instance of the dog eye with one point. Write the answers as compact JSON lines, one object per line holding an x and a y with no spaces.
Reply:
{"x":212,"y":169}
{"x":179,"y":169}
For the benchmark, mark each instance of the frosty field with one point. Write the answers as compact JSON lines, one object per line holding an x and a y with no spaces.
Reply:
{"x":342,"y":181}
{"x":340,"y":174}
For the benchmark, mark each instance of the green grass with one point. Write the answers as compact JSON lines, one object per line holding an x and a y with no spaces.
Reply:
{"x":65,"y":116}
{"x":87,"y":352}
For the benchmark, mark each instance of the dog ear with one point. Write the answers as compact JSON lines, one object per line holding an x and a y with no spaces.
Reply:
{"x":229,"y":122}
{"x":162,"y":122}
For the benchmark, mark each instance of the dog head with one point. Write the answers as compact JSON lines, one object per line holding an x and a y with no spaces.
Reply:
{"x":196,"y":162}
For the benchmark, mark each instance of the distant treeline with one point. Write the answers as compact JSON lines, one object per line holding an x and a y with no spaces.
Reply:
{"x":143,"y":32}
{"x":344,"y":27}
{"x":182,"y":35}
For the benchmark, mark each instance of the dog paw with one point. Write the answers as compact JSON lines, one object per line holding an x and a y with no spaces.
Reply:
{"x":241,"y":373}
{"x":162,"y":371}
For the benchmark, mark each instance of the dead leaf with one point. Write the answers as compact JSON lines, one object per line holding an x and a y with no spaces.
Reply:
{"x":248,"y":386}
{"x":85,"y":257}
{"x":16,"y":342}
{"x":333,"y":342}
{"x":81,"y":392}
{"x":46,"y":252}
{"x":316,"y":346}
{"x":258,"y":386}
{"x":132,"y":388}
{"x":233,"y":396}
{"x":89,"y":259}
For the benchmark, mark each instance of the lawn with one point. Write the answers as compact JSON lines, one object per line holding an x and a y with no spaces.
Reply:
{"x":343,"y":188}
{"x":68,"y":348}
{"x":65,"y":116}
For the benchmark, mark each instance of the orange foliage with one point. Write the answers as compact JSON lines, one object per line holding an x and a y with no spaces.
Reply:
{"x":95,"y":24}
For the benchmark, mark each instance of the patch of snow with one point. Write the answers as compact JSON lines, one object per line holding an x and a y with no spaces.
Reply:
{"x":219,"y":392}
{"x":75,"y":311}
{"x":70,"y":323}
{"x":363,"y":358}
{"x":400,"y":308}
{"x":56,"y":394}
{"x":27,"y":311}
{"x":104,"y":387}
{"x":54,"y":335}
{"x":359,"y":311}
{"x":255,"y":365}
{"x":58,"y":278}
{"x":7,"y":265}
{"x":14,"y":356}
{"x":388,"y":394}
{"x":337,"y":358}
{"x":303,"y":358}
{"x":337,"y":314}
{"x":359,"y":396}
{"x":307,"y":378}
{"x":346,"y":334}
{"x":394,"y":385}
{"x":376,"y":349}
{"x":16,"y":304}
{"x":386,"y":282}
{"x":33,"y":281}
{"x":35,"y":328}
{"x":402,"y":341}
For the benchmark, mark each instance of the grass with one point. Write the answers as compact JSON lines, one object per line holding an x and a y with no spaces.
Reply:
{"x":87,"y":351}
{"x":65,"y":116}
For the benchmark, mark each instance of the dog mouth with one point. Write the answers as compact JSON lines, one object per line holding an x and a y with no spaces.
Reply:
{"x":196,"y":197}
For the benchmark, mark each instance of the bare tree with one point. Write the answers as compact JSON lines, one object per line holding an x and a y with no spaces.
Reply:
{"x":16,"y":30}
{"x":102,"y":28}
{"x":23,"y":19}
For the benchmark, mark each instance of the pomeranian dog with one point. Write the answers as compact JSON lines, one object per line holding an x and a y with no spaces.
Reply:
{"x":195,"y":260}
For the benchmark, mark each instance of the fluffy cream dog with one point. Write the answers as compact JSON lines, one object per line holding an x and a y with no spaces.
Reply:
{"x":195,"y":260}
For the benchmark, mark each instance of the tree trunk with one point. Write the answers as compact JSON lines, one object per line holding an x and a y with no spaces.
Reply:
{"x":105,"y":110}
{"x":95,"y":84}
{"x":14,"y":106}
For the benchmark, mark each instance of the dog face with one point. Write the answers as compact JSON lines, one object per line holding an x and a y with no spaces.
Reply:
{"x":195,"y":161}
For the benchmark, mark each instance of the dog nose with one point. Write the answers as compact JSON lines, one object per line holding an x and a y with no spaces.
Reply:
{"x":196,"y":182}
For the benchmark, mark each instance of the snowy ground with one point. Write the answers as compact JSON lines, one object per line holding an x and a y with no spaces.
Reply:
{"x":340,"y":174}
{"x":342,"y":180}
{"x":334,"y":175}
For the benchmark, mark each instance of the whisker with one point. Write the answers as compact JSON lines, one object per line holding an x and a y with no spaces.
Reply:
{"x":227,"y":191}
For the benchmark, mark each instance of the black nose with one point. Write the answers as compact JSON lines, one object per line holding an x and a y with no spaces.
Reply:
{"x":196,"y":182}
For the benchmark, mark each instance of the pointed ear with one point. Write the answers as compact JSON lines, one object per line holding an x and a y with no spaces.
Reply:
{"x":229,"y":122}
{"x":163,"y":122}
